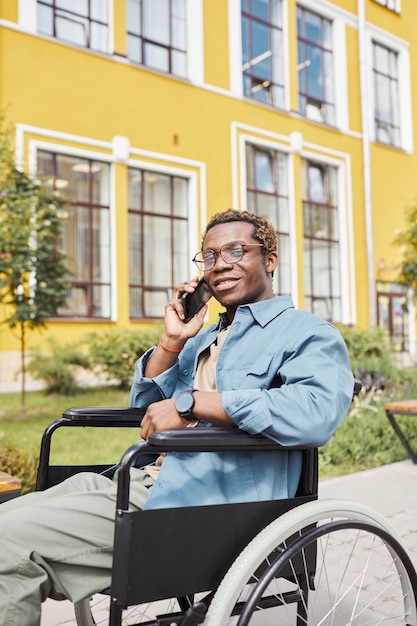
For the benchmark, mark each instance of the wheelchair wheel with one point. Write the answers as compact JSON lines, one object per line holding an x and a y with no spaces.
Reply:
{"x":327,"y":563}
{"x":94,"y":611}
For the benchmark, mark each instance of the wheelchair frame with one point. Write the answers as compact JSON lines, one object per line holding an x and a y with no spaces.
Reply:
{"x":220,"y":535}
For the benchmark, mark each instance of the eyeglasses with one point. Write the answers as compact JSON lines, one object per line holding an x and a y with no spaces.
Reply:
{"x":231,"y":253}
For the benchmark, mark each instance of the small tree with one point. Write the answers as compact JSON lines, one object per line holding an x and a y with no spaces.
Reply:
{"x":407,"y":239}
{"x":32,"y":269}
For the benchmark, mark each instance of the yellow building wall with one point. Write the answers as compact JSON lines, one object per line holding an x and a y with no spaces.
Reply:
{"x":46,"y":84}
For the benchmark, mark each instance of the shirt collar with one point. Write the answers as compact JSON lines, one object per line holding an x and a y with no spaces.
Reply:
{"x":263,"y":311}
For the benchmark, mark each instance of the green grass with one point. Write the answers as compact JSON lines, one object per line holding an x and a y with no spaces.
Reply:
{"x":364,"y":440}
{"x":69,"y":445}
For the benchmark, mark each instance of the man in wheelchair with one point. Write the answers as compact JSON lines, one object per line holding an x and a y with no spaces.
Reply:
{"x":265,"y":368}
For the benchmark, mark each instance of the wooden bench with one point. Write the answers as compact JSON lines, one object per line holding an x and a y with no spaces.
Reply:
{"x":402,"y":407}
{"x":10,"y":487}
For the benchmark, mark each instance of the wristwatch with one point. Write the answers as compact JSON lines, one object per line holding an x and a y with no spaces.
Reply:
{"x":184,"y":403}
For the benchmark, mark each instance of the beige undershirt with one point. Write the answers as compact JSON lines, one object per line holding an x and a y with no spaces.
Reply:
{"x":205,"y":380}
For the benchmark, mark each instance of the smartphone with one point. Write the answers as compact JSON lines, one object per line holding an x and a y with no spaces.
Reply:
{"x":192,"y":302}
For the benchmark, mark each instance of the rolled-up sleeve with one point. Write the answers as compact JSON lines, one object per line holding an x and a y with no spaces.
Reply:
{"x":145,"y":390}
{"x":315,"y":392}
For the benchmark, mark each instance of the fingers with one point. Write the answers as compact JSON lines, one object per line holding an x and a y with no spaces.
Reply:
{"x":175,"y":304}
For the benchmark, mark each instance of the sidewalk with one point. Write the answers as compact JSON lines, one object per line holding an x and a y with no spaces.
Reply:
{"x":390,"y":490}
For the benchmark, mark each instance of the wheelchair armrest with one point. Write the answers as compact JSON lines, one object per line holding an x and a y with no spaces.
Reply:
{"x":213,"y":439}
{"x":104,"y":416}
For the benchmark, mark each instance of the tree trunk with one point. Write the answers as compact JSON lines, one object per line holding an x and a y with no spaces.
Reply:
{"x":23,"y":367}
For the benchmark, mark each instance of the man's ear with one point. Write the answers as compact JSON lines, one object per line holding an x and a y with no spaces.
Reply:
{"x":271,"y":261}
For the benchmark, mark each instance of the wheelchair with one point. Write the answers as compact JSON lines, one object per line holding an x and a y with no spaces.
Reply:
{"x":300,"y":561}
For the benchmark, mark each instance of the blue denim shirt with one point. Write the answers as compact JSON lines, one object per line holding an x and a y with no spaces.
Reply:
{"x":282,"y":372}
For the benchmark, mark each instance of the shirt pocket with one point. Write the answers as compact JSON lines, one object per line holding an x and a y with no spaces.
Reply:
{"x":259,"y":374}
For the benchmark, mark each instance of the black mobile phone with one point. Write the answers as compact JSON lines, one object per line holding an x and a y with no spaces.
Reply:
{"x":192,"y":302}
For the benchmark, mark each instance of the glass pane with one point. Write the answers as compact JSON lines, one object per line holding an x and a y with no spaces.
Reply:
{"x":180,"y":197}
{"x":155,"y":302}
{"x":135,"y":296}
{"x":178,"y":60}
{"x":321,"y":268}
{"x":101,"y":245}
{"x":72,"y":29}
{"x":101,"y":301}
{"x":99,"y":11}
{"x":134,"y":189}
{"x":283,"y":215}
{"x":178,"y":24}
{"x":135,"y":249}
{"x":134,"y":50}
{"x":261,"y":51}
{"x":315,"y":73}
{"x":251,"y":199}
{"x":284,"y":264}
{"x":266,"y":207}
{"x":381,"y":57}
{"x":100,"y":183}
{"x":75,"y":6}
{"x":181,"y":252}
{"x":77,"y":241}
{"x":260,"y":9}
{"x":157,"y":193}
{"x":245,"y":41}
{"x":45,"y":20}
{"x":157,"y":251}
{"x":156,"y":57}
{"x":133,"y":24}
{"x":276,"y":17}
{"x":77,"y":301}
{"x":383,"y":99}
{"x":316,"y":186}
{"x":156,"y":20}
{"x":263,"y":172}
{"x":98,"y":38}
{"x":313,"y":27}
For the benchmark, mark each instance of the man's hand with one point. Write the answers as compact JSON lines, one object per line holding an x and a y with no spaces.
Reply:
{"x":161,"y":415}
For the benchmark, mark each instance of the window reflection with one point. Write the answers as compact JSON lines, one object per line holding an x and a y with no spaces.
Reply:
{"x":81,"y":22}
{"x":158,"y":239}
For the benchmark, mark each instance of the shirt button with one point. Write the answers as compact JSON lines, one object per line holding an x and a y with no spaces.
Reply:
{"x":185,"y":372}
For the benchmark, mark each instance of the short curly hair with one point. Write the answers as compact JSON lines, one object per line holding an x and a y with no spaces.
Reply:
{"x":263,"y":230}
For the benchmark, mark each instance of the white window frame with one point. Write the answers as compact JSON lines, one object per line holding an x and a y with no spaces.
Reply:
{"x":34,"y":146}
{"x":401,"y":48}
{"x":192,"y":199}
{"x":235,"y":51}
{"x":27,"y":16}
{"x":391,"y":5}
{"x":339,"y":19}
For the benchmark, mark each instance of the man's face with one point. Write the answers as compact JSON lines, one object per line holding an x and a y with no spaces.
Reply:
{"x":244,"y":282}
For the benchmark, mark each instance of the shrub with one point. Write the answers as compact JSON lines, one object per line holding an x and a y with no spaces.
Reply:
{"x":114,"y":353}
{"x":20,"y":465}
{"x":370,"y":356}
{"x":58,"y":367}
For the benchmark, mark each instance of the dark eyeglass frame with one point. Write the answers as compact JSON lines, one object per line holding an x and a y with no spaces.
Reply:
{"x":212,"y":258}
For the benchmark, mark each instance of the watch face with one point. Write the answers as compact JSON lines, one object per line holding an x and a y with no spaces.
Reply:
{"x":184,"y":401}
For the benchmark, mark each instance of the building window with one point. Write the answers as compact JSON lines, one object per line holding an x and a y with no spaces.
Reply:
{"x":392,"y":5}
{"x":315,"y":67}
{"x":392,"y":314}
{"x":156,"y":34}
{"x":386,"y":91}
{"x":159,"y":256}
{"x":322,"y":280}
{"x":262,"y":51}
{"x":85,"y":186}
{"x":82,"y":22}
{"x":267,"y":195}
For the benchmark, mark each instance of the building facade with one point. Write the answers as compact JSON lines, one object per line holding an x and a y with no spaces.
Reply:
{"x":149,"y":116}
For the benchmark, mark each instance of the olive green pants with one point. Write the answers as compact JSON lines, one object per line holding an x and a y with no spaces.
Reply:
{"x":58,"y":543}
